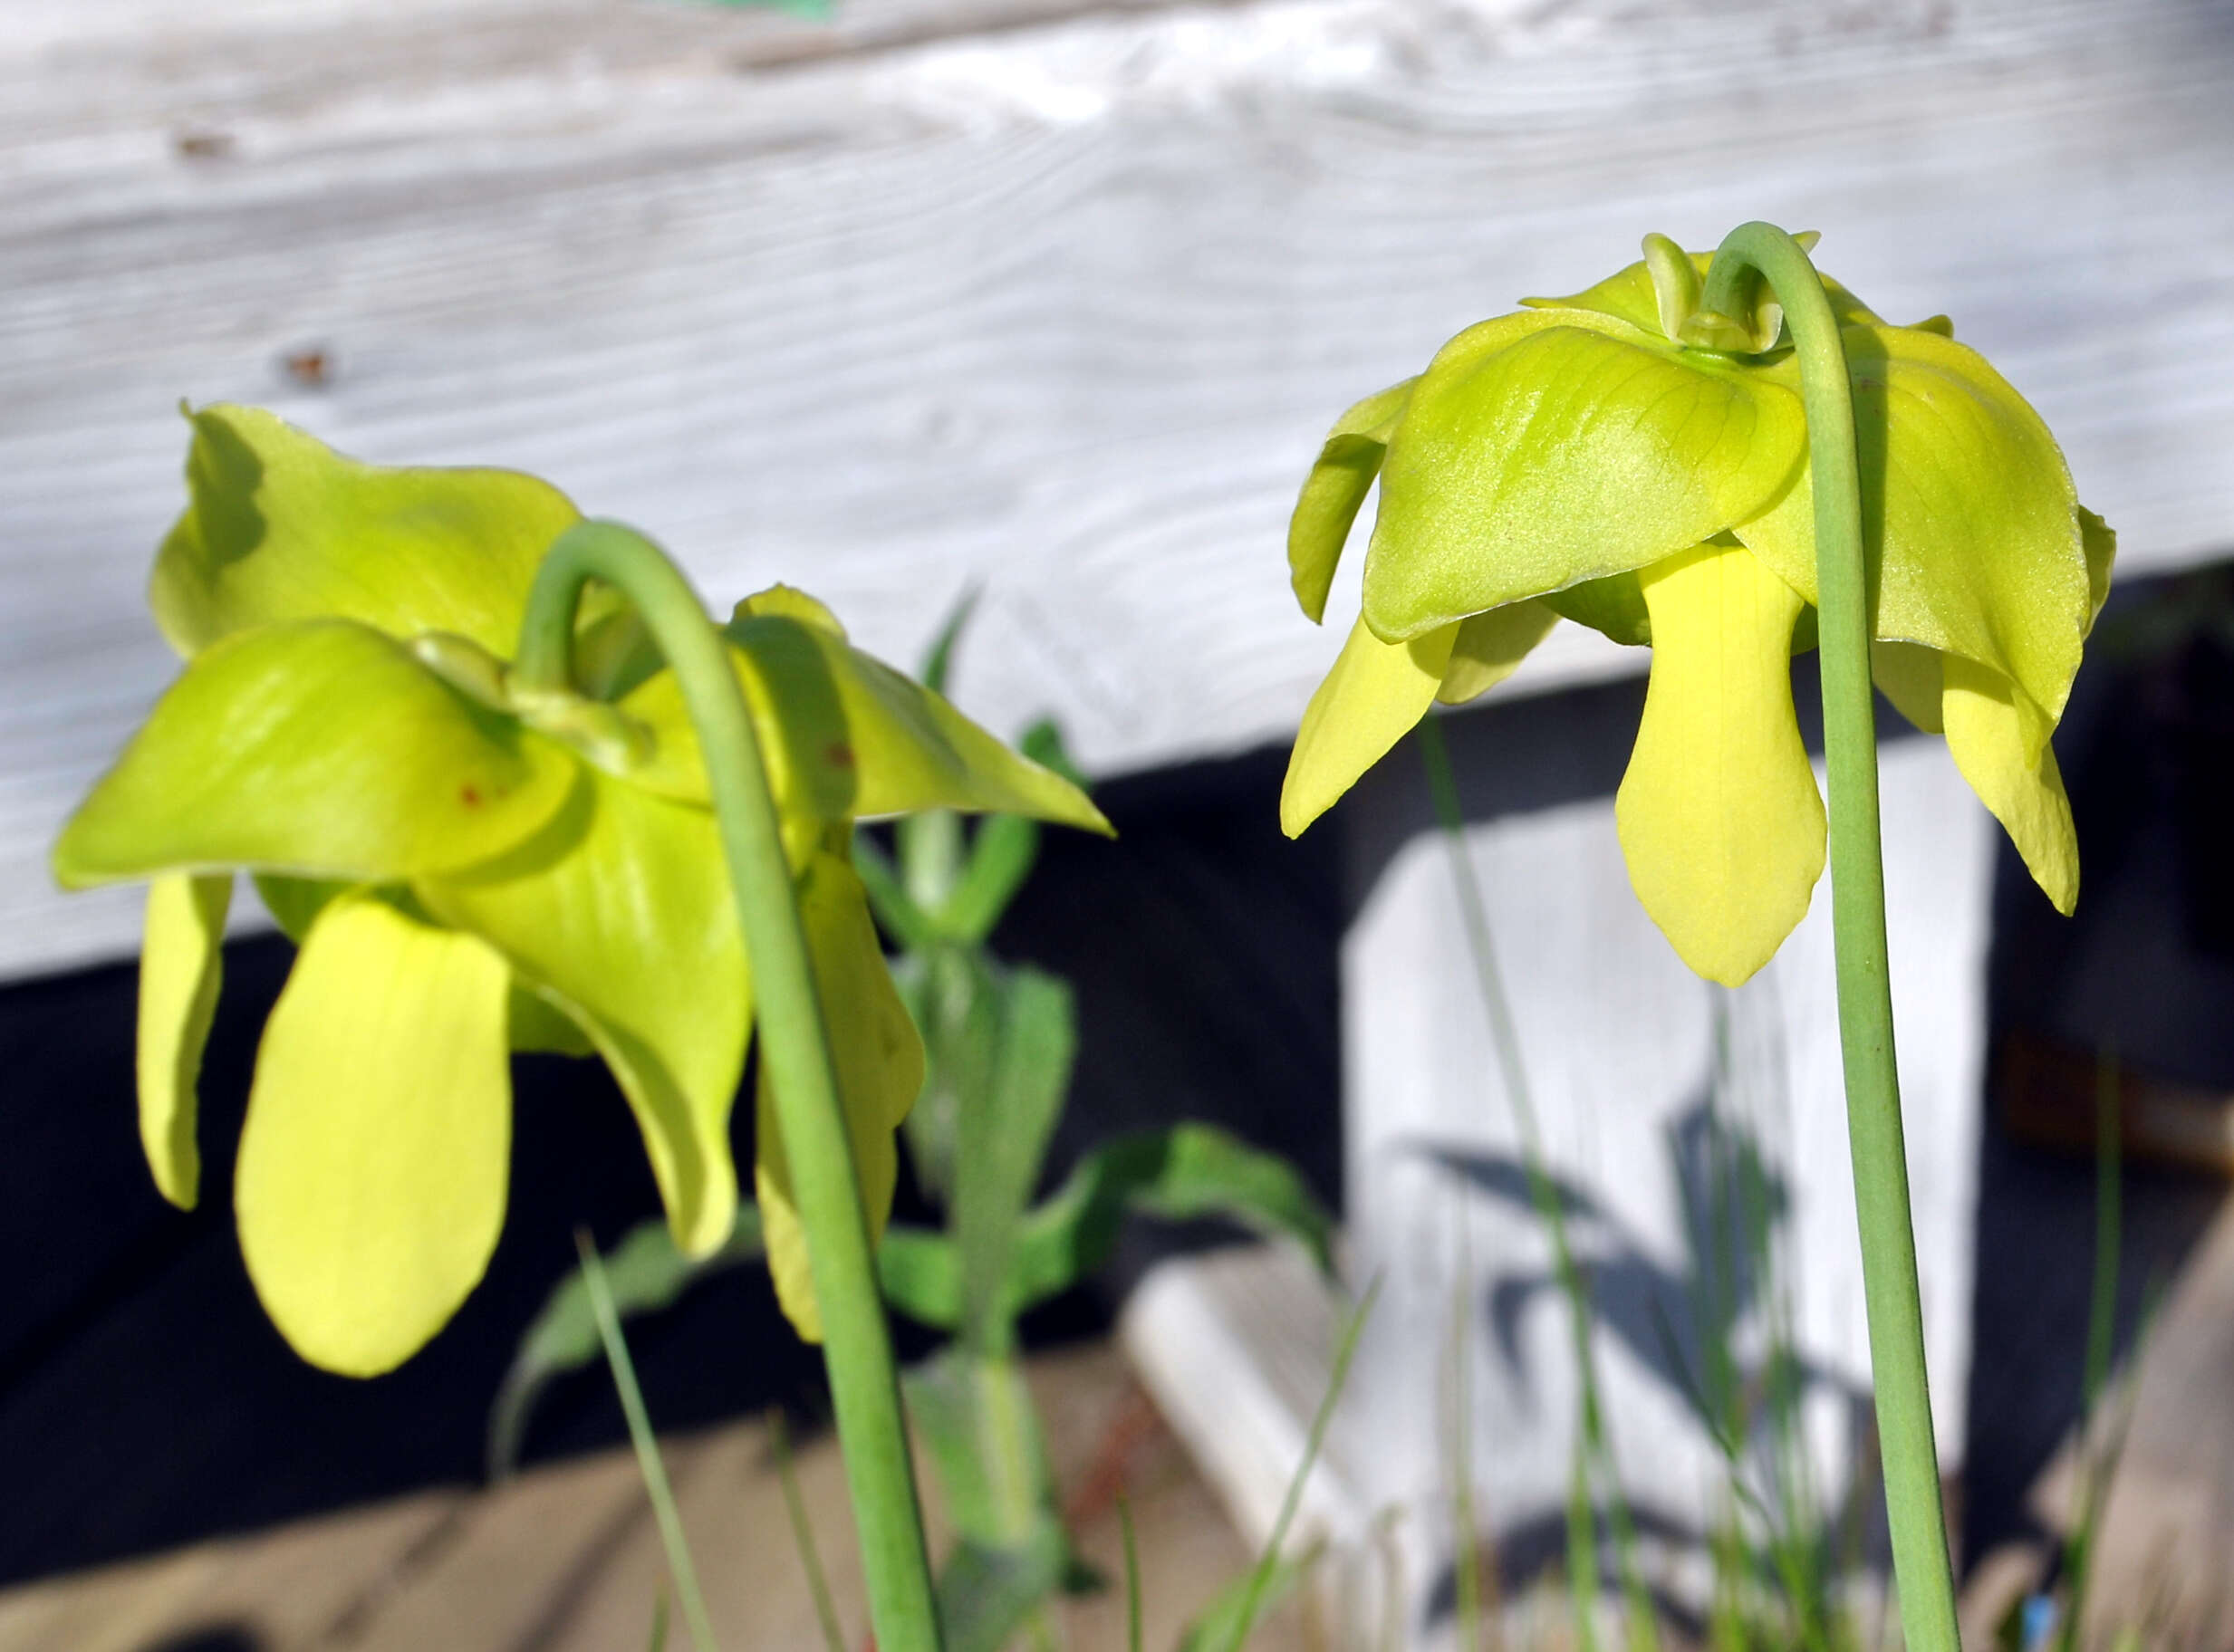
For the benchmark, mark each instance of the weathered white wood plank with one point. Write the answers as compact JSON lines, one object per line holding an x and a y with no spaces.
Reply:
{"x":1061,"y":310}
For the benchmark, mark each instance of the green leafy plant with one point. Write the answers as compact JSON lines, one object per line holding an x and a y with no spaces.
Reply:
{"x":1000,"y":1042}
{"x":1731,"y":459}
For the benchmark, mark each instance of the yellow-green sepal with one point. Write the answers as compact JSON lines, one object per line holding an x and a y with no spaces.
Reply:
{"x":1340,"y":477}
{"x":1577,"y":450}
{"x":1372,"y":698}
{"x":845,"y":735}
{"x":1977,"y":547}
{"x":181,"y":968}
{"x":373,"y":1163}
{"x":1976,"y":710}
{"x":278,"y":526}
{"x":619,"y":911}
{"x":321,"y":749}
{"x":878,"y":1060}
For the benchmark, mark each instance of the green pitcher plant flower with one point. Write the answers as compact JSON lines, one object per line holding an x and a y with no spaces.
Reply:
{"x":1629,"y":460}
{"x":475,"y":862}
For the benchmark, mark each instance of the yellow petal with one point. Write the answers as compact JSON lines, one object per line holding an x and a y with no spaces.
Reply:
{"x":1368,"y":702}
{"x":180,"y":965}
{"x":372,"y":1167}
{"x":879,"y":1059}
{"x":1987,"y":737}
{"x":1718,"y":815}
{"x":1490,"y":646}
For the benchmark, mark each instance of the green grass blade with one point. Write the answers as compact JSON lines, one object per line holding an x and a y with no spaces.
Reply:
{"x":1132,"y":1573}
{"x":803,"y":1534}
{"x":644,"y":1274}
{"x":658,"y":1622}
{"x":1260,"y":1578}
{"x":1597,"y":1454}
{"x":647,"y":1462}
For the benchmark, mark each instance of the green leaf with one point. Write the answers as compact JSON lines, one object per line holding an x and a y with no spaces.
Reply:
{"x":986,"y":1595}
{"x":619,"y":910}
{"x":1001,"y":855}
{"x":280,"y":527}
{"x":920,"y":1274}
{"x":1572,"y":452}
{"x":878,"y":1059}
{"x":322,"y":749}
{"x":1004,"y":1128}
{"x":645,"y":1273}
{"x":1975,"y":542}
{"x":846,"y":734}
{"x":1340,"y":478}
{"x":373,"y":1166}
{"x":975,"y":1416}
{"x":939,"y":660}
{"x":1188,"y":1171}
{"x":181,"y":965}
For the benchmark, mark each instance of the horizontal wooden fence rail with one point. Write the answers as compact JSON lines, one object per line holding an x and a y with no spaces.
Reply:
{"x":1049,"y":298}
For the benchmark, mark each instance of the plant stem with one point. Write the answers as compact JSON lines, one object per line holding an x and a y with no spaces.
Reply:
{"x":1922,"y":1570}
{"x":795,"y":1044}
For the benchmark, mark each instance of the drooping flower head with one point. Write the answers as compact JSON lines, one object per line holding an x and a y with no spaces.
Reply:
{"x":1626,"y":461}
{"x":473,"y":866}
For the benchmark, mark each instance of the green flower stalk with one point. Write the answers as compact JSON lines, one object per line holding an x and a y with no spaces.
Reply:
{"x":477,"y":859}
{"x":1630,"y":461}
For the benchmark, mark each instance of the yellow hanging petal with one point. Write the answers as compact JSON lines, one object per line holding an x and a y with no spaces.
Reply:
{"x":1718,"y":815}
{"x":1985,"y":735}
{"x":181,"y":965}
{"x":878,"y":1059}
{"x":372,"y":1167}
{"x":1490,"y":648}
{"x":1370,"y":699}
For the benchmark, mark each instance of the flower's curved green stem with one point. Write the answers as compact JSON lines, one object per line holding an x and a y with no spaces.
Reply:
{"x":863,"y":1384}
{"x":1922,"y":1570}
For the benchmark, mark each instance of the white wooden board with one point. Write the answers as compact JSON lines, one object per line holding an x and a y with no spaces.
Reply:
{"x":1058,"y":307}
{"x":1641,"y":1075}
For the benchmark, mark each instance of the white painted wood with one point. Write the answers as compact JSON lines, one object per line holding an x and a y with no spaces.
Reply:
{"x":1061,"y":309}
{"x":1618,"y":1040}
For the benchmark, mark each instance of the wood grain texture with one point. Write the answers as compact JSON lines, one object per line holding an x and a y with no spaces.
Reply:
{"x":566,"y":1557}
{"x":1060,"y":309}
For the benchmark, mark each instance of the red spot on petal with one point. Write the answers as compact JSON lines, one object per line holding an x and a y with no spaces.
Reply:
{"x":839,"y":754}
{"x":470,"y":796}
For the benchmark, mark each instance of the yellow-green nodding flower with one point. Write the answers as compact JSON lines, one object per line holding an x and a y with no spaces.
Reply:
{"x":473,"y":867}
{"x":1624,"y":460}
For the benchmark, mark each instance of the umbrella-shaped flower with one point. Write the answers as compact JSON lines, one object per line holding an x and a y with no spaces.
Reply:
{"x":1626,"y":460}
{"x":475,"y":862}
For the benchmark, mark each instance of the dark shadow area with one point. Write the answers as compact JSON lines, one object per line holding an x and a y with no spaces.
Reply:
{"x":145,"y":1401}
{"x":2144,"y":969}
{"x":218,"y":1638}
